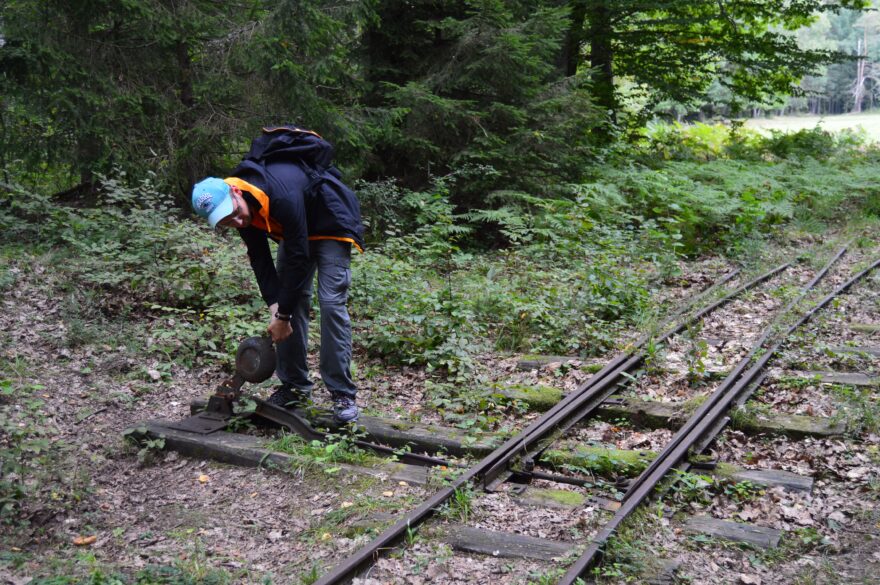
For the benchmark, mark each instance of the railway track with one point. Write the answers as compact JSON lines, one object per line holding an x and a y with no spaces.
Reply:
{"x":571,"y":465}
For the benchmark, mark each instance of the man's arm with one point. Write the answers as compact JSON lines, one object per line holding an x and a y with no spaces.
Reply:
{"x":294,"y":265}
{"x":261,"y":262}
{"x":267,"y":279}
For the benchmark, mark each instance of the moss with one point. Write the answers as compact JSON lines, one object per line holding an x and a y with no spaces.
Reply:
{"x":539,"y":398}
{"x":592,"y":368}
{"x":566,"y":498}
{"x":600,"y":460}
{"x":693,"y":404}
{"x":725,"y":470}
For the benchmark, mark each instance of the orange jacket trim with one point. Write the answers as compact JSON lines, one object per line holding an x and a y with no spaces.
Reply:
{"x":261,"y":220}
{"x":264,"y":222}
{"x":338,"y":239}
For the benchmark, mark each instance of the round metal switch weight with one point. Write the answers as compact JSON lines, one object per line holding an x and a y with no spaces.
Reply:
{"x":255,"y":359}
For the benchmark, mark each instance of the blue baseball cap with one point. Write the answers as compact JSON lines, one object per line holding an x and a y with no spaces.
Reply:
{"x":211,"y":200}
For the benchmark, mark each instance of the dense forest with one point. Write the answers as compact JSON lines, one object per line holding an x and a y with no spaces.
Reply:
{"x":511,"y":92}
{"x":482,"y":136}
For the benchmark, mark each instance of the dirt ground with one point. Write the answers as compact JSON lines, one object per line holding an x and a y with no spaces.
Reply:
{"x":98,"y":507}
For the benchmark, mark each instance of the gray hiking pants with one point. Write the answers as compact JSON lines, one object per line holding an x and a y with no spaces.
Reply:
{"x":331,"y":259}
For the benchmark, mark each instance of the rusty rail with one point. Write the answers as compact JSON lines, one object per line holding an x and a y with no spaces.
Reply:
{"x":706,"y":421}
{"x":569,"y":410}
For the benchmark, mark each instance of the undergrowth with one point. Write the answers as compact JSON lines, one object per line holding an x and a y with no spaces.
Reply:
{"x":327,"y":454}
{"x":557,"y":272}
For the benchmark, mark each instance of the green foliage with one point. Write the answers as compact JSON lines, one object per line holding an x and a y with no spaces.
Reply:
{"x":423,"y":299}
{"x":859,"y":407}
{"x":467,"y":408}
{"x":743,"y":191}
{"x":153,"y":575}
{"x":676,"y":49}
{"x":166,"y":87}
{"x":148,"y":448}
{"x":132,"y":251}
{"x":33,"y":461}
{"x":742,"y":491}
{"x":310,"y":576}
{"x":459,"y":506}
{"x":326,"y":454}
{"x":628,"y":556}
{"x":484,"y":91}
{"x":691,"y":487}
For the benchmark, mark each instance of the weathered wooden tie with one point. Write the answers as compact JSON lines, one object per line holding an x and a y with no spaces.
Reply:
{"x":536,"y":362}
{"x":845,"y":378}
{"x":249,"y":451}
{"x":399,"y":433}
{"x":774,"y":478}
{"x":503,"y":544}
{"x":756,"y":536}
{"x":600,"y":459}
{"x":865,"y":327}
{"x":654,"y":414}
{"x":872,"y":351}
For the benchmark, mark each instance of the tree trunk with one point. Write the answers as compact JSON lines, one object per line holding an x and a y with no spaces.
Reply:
{"x":859,"y":84}
{"x":192,"y":168}
{"x":570,"y":57}
{"x":601,"y":58}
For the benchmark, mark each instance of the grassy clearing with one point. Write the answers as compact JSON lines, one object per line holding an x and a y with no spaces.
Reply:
{"x":868,"y":123}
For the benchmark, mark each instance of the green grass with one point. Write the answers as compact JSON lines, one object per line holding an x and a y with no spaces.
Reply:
{"x":868,"y":122}
{"x":337,"y":449}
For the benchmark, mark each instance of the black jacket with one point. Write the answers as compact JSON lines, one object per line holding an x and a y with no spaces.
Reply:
{"x":306,"y":206}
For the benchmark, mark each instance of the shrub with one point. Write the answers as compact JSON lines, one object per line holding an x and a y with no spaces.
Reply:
{"x":136,"y":253}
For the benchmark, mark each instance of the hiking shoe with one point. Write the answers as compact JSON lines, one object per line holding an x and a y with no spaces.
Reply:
{"x":344,"y":408}
{"x":285,"y":397}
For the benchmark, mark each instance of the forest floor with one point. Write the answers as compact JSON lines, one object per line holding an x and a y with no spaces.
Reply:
{"x":97,"y":508}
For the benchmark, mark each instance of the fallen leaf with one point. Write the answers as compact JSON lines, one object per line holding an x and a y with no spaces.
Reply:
{"x":857,"y":473}
{"x":797,"y":514}
{"x":84,"y":540}
{"x":748,"y":514}
{"x":326,"y":536}
{"x":204,"y":478}
{"x":388,"y":494}
{"x":838,"y":516}
{"x":403,"y":483}
{"x":347,"y":504}
{"x":749,"y":579}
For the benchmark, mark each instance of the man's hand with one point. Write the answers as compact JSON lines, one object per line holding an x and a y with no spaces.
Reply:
{"x":279,"y":330}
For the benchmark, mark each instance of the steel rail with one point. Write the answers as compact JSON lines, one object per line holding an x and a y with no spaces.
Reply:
{"x":706,"y":420}
{"x":734,"y":375}
{"x":500,"y":457}
{"x":703,"y":294}
{"x":592,"y":396}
